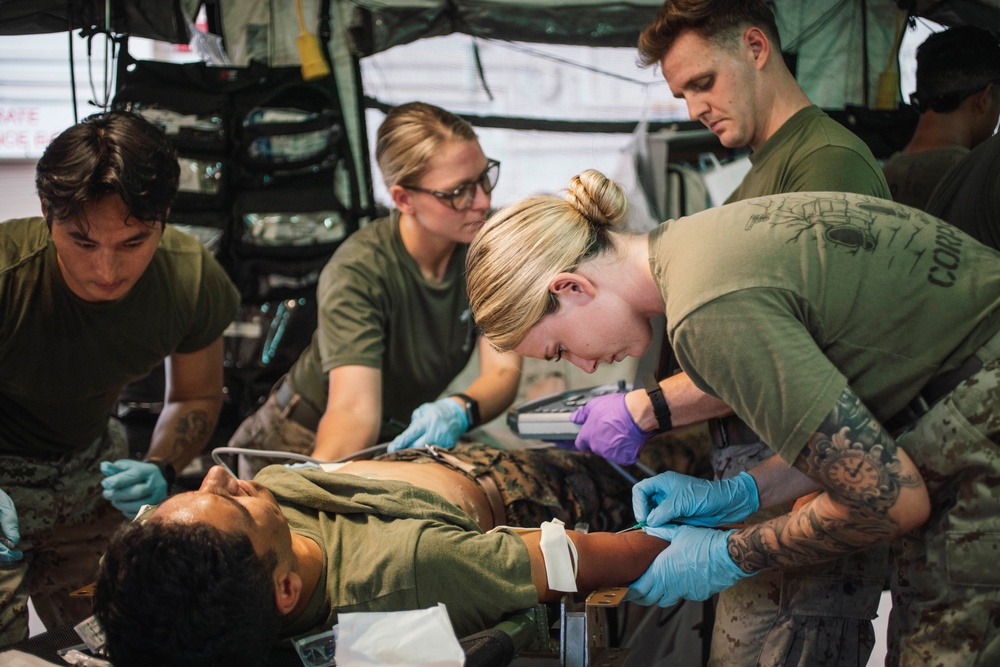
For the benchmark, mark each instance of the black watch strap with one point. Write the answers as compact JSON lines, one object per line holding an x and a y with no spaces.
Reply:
{"x":660,"y":407}
{"x":471,"y":409}
{"x":167,"y":470}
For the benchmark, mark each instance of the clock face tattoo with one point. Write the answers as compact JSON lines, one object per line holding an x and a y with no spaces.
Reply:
{"x":855,"y":473}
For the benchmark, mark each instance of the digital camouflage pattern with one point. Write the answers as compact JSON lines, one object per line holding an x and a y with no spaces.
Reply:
{"x":796,"y":618}
{"x":801,"y":618}
{"x":65,"y":525}
{"x":946,"y":584}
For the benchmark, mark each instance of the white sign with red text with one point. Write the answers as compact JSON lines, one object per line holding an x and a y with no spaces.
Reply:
{"x":26,"y":129}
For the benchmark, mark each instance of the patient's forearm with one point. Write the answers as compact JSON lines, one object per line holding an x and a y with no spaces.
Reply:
{"x":609,"y":559}
{"x":604,"y":559}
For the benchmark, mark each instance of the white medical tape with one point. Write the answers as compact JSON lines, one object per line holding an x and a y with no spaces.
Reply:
{"x":560,"y":557}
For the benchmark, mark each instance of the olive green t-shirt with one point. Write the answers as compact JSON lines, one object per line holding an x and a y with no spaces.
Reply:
{"x":912,"y":177}
{"x":64,"y":361}
{"x":376,"y":309}
{"x":810,"y":152}
{"x":775,"y":304}
{"x":968,"y":196}
{"x":392,"y":546}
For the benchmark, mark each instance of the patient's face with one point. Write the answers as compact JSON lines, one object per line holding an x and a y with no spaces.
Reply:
{"x":233,"y":506}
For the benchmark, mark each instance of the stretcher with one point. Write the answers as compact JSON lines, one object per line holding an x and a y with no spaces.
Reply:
{"x":581,"y":640}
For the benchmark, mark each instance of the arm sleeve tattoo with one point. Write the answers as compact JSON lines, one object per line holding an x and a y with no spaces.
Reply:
{"x":853,"y":457}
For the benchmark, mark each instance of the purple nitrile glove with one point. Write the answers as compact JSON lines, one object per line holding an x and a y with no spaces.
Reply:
{"x":608,"y":429}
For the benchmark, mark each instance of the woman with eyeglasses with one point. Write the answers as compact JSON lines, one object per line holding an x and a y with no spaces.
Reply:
{"x":394,"y":325}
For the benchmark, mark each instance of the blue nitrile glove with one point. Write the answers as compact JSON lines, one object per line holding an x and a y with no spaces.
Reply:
{"x":130,"y":484}
{"x":695,"y":566}
{"x":439,"y":423}
{"x":609,"y":430}
{"x":671,"y":497}
{"x":10,"y":530}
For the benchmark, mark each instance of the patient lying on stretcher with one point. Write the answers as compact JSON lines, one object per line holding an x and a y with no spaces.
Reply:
{"x":216,"y":576}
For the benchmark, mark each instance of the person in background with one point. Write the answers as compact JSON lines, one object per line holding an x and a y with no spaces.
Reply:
{"x":297,"y":547}
{"x":94,"y":295}
{"x":969,"y":194}
{"x":958,"y":98}
{"x":858,"y":336}
{"x":394,"y":322}
{"x":723,"y":58}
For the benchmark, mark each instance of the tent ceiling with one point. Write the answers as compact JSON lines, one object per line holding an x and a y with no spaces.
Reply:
{"x":983,"y":13}
{"x":381,"y":24}
{"x":155,"y":19}
{"x":378,"y":25}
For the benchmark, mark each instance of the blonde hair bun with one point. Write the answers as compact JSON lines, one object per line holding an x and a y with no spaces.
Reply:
{"x":597,"y":198}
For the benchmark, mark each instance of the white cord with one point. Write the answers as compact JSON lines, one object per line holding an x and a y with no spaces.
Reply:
{"x":219,"y":451}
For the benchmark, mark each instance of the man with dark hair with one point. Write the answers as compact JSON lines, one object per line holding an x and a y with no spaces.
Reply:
{"x":94,"y":295}
{"x":204,"y":579}
{"x":723,"y":58}
{"x":405,"y":531}
{"x":958,"y":97}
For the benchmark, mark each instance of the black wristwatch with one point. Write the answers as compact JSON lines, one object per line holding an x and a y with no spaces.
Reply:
{"x":471,"y":409}
{"x":167,"y":471}
{"x":660,"y":407}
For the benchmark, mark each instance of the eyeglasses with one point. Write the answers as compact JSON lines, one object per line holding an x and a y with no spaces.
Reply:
{"x":461,"y":198}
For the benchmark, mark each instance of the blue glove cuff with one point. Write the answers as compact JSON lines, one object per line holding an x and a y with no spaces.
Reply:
{"x":724,"y":559}
{"x":471,"y":408}
{"x":748,"y":490}
{"x":167,"y":470}
{"x":462,"y":419}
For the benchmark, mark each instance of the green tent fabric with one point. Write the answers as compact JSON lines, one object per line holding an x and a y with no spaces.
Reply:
{"x":839,"y":46}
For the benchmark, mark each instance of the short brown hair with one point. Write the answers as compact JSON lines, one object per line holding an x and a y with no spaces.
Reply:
{"x":720,"y":21}
{"x":112,"y":153}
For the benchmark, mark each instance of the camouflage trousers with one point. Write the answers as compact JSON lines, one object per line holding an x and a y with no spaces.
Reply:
{"x":270,"y":428}
{"x":65,"y":525}
{"x":820,"y":616}
{"x":804,"y":617}
{"x":538,"y":485}
{"x":946,"y":584}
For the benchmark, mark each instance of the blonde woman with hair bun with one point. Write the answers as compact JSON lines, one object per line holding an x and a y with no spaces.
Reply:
{"x":537,"y":271}
{"x":819,"y":318}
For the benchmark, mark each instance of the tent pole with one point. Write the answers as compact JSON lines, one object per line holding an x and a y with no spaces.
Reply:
{"x":864,"y":53}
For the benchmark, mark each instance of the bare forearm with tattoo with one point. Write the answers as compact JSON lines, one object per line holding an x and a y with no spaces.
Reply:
{"x":873,"y":492}
{"x":182,"y":431}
